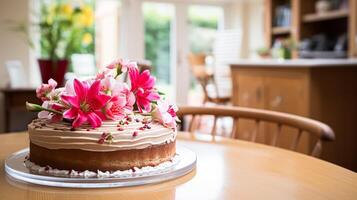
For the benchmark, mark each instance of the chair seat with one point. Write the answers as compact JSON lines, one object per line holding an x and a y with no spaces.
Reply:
{"x":223,"y":98}
{"x":219,"y":100}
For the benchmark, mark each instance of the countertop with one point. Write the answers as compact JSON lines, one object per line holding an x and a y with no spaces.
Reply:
{"x":295,"y":62}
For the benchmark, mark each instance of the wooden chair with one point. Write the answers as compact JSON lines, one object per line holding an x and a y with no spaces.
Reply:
{"x":142,"y":65}
{"x":319,"y":130}
{"x":205,"y":78}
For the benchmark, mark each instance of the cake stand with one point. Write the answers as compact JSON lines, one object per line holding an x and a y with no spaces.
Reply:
{"x":15,"y":168}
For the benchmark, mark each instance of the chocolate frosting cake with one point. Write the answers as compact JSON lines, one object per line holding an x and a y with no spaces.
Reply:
{"x":116,"y":145}
{"x":102,"y":124}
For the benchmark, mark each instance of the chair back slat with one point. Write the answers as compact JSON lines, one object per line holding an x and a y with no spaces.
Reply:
{"x":191,"y":124}
{"x":213,"y":131}
{"x":304,"y":125}
{"x":295,"y":142}
{"x":316,"y":152}
{"x":235,"y":127}
{"x":255,"y":133}
{"x":276,"y":135}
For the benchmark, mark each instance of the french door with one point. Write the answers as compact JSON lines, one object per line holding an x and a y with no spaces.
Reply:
{"x":170,"y":32}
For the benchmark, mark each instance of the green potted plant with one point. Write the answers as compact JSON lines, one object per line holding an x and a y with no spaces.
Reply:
{"x":65,"y":28}
{"x":283,"y":48}
{"x":263,"y":52}
{"x":62,"y":26}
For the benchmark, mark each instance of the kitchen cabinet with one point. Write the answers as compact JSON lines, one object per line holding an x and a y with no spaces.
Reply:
{"x":325,"y":91}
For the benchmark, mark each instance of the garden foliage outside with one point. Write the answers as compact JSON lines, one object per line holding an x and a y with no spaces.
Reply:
{"x":66,"y":27}
{"x":157,"y":37}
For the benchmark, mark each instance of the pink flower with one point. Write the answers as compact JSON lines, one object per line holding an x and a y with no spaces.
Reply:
{"x":116,"y":88}
{"x":86,"y":104}
{"x":130,"y":99}
{"x":44,"y":90}
{"x":45,"y":114}
{"x":107,"y":84}
{"x":103,"y":74}
{"x":142,"y":85}
{"x":115,"y":108}
{"x":165,"y":114}
{"x":68,"y":88}
{"x":122,"y":89}
{"x":121,"y":103}
{"x":123,"y":65}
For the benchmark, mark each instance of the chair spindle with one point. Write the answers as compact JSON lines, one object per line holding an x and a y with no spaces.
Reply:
{"x":295,"y":143}
{"x":234,"y":133}
{"x":316,"y":152}
{"x":191,"y":125}
{"x":213,"y":131}
{"x":256,"y":131}
{"x":276,"y":135}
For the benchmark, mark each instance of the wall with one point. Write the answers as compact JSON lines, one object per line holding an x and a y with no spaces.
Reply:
{"x":248,"y":16}
{"x":255,"y":27}
{"x":13,"y":45}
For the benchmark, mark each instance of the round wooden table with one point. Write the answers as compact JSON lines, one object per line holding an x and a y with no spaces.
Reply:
{"x":226,"y":169}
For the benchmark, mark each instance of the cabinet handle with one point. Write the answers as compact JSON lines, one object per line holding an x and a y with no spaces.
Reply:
{"x":276,"y":101}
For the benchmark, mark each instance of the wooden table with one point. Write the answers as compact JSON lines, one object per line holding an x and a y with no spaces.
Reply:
{"x":226,"y":169}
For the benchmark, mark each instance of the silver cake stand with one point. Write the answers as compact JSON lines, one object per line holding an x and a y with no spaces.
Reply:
{"x":15,"y":168}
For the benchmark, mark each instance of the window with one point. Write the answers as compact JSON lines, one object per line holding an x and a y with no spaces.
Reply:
{"x":157,"y":32}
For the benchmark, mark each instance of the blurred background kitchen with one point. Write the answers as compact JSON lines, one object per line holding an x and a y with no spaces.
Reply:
{"x":293,"y":56}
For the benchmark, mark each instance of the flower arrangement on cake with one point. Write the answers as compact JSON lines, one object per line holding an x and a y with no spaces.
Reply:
{"x":104,"y":98}
{"x":102,"y":125}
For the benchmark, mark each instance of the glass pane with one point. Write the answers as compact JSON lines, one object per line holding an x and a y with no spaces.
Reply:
{"x":204,"y":22}
{"x":157,"y":26}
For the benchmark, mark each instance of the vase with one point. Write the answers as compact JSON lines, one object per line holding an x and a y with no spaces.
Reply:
{"x":54,"y":69}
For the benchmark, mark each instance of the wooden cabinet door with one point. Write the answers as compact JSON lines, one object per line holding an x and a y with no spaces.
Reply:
{"x":251,"y":91}
{"x":284,"y":90}
{"x":250,"y":94}
{"x":287,"y":93}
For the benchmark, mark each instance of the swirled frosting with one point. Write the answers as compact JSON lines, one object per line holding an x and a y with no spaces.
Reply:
{"x":124,"y":135}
